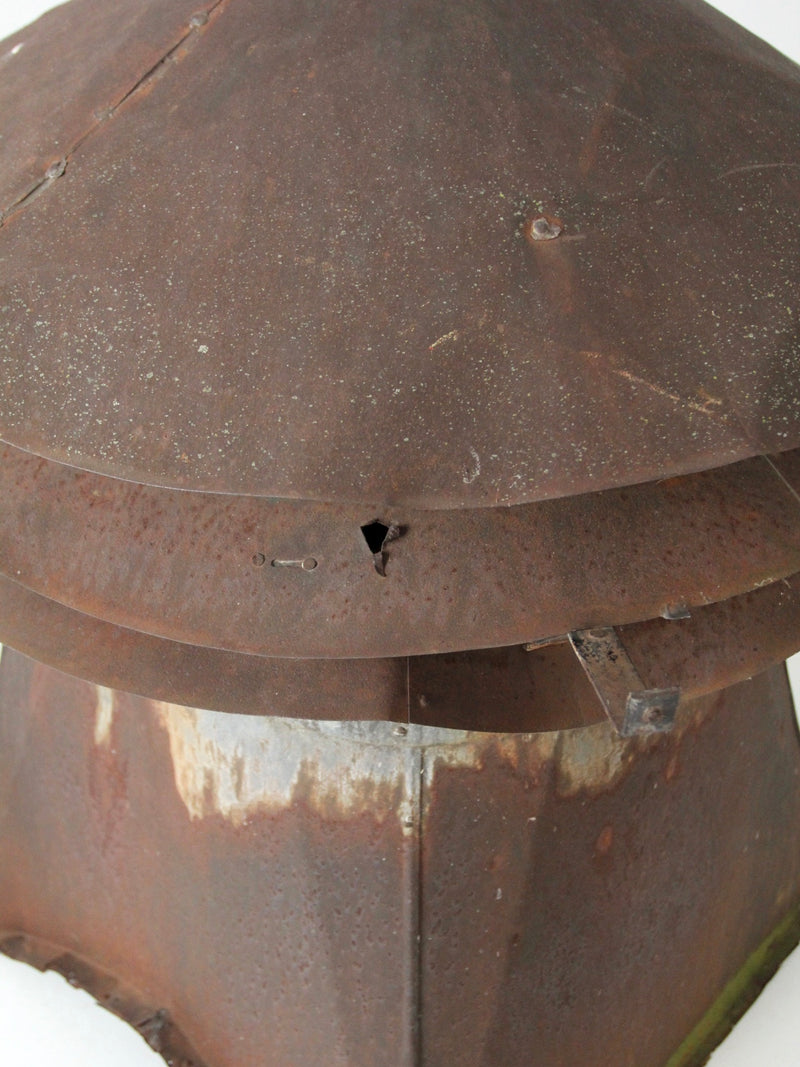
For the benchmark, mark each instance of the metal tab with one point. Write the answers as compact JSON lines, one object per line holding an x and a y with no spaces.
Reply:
{"x":632,"y":708}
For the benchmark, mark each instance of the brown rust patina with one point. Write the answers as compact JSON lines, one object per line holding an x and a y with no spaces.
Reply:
{"x":290,"y":259}
{"x":211,"y":570}
{"x":354,"y":356}
{"x":261,"y":891}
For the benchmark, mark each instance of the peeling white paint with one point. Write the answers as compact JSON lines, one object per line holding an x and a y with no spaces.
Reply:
{"x":104,"y":715}
{"x":239,"y":765}
{"x":236,"y":765}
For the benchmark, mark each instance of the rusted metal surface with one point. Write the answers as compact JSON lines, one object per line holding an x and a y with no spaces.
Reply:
{"x":58,"y":86}
{"x":165,"y":670}
{"x":196,"y":568}
{"x":497,"y":689}
{"x":631,"y":708}
{"x":719,"y":645}
{"x":572,"y":919}
{"x":294,"y":298}
{"x":488,"y":690}
{"x":304,"y":260}
{"x":296,"y":894}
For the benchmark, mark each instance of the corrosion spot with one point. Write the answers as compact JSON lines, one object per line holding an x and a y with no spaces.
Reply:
{"x":543,"y":228}
{"x":653,"y":715}
{"x":605,"y":840}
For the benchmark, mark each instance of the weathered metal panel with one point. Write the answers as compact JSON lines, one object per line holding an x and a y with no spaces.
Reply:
{"x":57,"y":86}
{"x":298,"y":263}
{"x":203,"y":677}
{"x":500,"y":689}
{"x":271,"y":274}
{"x":586,"y":908}
{"x":254,"y":879}
{"x":292,"y":893}
{"x":196,"y":568}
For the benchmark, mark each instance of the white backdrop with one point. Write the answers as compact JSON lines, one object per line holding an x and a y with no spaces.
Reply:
{"x":46,"y":1023}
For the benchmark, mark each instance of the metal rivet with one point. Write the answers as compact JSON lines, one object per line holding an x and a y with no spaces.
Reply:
{"x":259,"y":559}
{"x":542,"y":229}
{"x":55,"y":170}
{"x":199,"y":19}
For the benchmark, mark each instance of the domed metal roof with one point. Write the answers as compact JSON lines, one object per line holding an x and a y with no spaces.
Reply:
{"x":342,"y":341}
{"x":421,"y":255}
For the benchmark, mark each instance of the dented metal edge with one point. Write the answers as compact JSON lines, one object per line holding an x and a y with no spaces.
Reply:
{"x":191,"y":568}
{"x":719,"y":645}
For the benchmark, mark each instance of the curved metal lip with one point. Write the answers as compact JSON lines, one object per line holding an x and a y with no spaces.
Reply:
{"x":314,"y":254}
{"x":719,"y":645}
{"x":300,"y":580}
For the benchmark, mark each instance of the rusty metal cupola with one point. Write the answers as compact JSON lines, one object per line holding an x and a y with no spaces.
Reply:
{"x":399,"y":523}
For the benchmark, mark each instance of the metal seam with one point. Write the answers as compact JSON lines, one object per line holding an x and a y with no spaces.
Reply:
{"x":417,"y":1049}
{"x":104,"y":115}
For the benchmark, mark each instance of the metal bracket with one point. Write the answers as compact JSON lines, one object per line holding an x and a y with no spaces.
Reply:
{"x":631,"y":708}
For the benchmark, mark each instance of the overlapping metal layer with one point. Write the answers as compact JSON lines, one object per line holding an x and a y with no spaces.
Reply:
{"x":270,"y":276}
{"x":429,"y":361}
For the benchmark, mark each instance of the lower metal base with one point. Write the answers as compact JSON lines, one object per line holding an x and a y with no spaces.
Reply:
{"x":252,"y":891}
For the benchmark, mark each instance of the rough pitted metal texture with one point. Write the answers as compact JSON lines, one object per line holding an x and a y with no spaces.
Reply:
{"x":293,"y":894}
{"x":298,"y":579}
{"x":428,"y":254}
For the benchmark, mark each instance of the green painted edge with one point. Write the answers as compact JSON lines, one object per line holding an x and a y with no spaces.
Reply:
{"x":737,"y":996}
